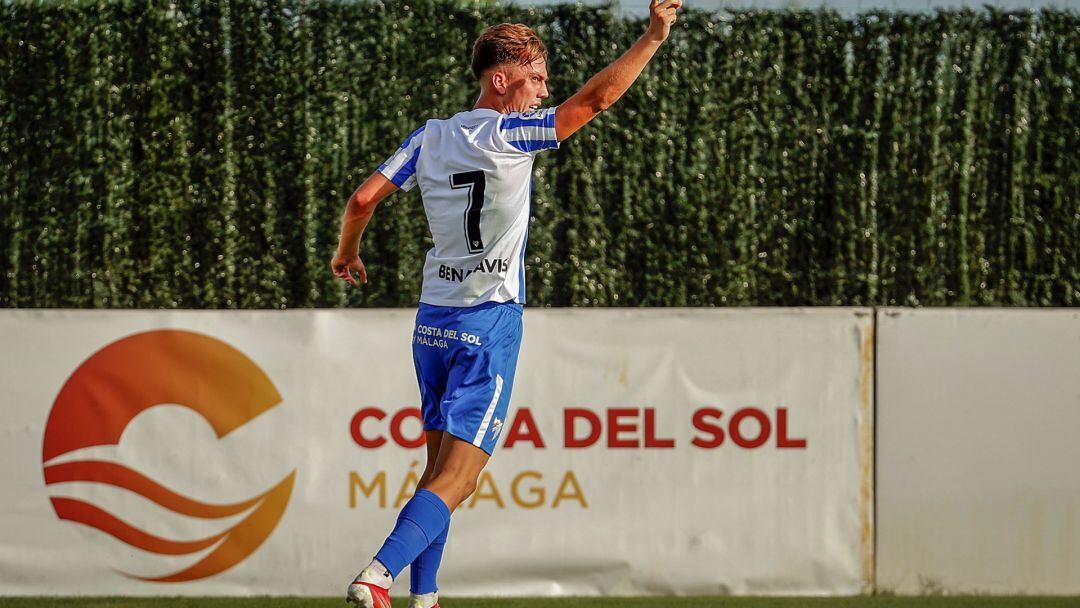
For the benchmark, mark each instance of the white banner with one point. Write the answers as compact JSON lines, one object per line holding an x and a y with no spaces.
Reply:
{"x":646,"y":452}
{"x":978,"y":483}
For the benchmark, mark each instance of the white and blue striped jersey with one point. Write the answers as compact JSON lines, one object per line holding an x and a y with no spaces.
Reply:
{"x":474,"y":170}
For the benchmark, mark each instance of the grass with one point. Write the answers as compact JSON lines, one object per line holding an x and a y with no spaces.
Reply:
{"x":719,"y":602}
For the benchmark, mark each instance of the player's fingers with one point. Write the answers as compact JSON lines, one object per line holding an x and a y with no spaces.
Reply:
{"x":668,"y":8}
{"x":342,"y":272}
{"x":361,"y":271}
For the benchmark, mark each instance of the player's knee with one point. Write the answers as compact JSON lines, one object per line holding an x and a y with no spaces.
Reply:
{"x":452,"y":486}
{"x":462,"y":487}
{"x":467,"y":488}
{"x":463,"y":490}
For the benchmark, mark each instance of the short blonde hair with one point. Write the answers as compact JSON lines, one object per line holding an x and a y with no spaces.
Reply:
{"x":512,"y":43}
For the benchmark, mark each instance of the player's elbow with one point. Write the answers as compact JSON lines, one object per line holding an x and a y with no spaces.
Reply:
{"x":358,"y":205}
{"x":600,"y":103}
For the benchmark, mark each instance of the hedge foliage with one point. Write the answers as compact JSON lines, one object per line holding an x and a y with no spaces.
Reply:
{"x":199,"y":153}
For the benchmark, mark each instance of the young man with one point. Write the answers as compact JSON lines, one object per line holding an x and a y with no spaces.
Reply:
{"x":474,"y":172}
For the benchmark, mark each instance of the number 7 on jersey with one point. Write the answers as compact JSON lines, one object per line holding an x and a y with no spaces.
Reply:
{"x":475,"y":182}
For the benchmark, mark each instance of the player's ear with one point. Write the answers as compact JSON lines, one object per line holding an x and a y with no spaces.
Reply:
{"x":499,"y":81}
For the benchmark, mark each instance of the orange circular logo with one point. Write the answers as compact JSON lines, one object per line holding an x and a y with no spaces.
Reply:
{"x":137,"y":373}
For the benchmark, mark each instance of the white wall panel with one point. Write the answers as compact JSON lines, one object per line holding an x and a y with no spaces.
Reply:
{"x":978,"y":482}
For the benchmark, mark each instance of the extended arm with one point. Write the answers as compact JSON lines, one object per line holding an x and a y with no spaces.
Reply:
{"x":358,"y":213}
{"x":606,"y":87}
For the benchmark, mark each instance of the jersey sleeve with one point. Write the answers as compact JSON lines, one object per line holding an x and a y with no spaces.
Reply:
{"x":530,"y":131}
{"x":400,"y":168}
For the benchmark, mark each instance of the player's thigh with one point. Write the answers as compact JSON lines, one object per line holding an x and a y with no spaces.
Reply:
{"x":481,"y":378}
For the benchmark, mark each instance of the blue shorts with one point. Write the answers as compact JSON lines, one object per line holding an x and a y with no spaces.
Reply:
{"x":465,"y":361}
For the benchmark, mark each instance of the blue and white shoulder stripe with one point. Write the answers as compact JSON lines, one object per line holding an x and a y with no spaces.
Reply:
{"x":400,"y":168}
{"x":530,"y":131}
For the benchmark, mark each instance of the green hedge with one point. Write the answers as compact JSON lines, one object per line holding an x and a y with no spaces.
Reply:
{"x":198,"y":154}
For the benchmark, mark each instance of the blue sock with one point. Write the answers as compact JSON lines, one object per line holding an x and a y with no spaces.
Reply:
{"x":426,"y":566}
{"x":420,"y":522}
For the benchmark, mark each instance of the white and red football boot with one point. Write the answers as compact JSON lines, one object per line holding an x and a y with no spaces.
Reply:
{"x":371,"y":588}
{"x":427,"y":600}
{"x":368,"y":595}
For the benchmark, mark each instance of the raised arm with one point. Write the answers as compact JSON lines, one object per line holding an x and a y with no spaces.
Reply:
{"x":606,"y":87}
{"x":358,"y":213}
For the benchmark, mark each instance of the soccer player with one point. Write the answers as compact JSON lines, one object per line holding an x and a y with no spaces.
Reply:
{"x":474,"y":170}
